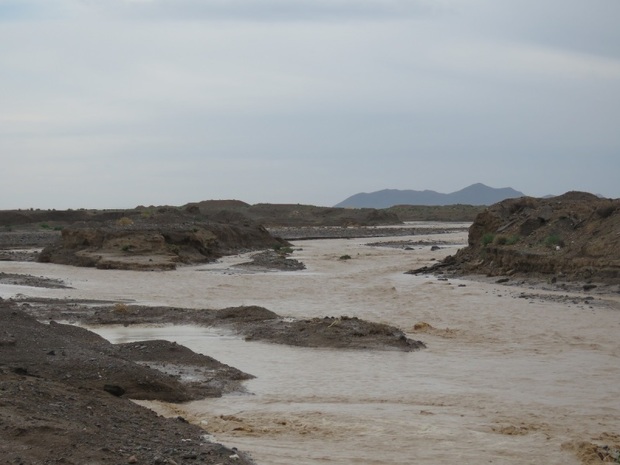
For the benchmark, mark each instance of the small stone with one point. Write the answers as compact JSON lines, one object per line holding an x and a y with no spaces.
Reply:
{"x":132,"y":459}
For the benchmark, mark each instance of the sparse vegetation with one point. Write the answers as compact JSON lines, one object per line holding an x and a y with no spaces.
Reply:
{"x":554,"y":241}
{"x":512,"y":240}
{"x":345,"y":257}
{"x":487,"y":239}
{"x":283,"y":250}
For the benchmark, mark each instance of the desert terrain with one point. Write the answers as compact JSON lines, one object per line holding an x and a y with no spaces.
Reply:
{"x":510,"y":365}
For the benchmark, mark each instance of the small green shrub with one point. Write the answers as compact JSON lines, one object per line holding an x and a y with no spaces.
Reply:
{"x":45,"y":226}
{"x":487,"y":239}
{"x":127,"y":248}
{"x":512,"y":240}
{"x":554,"y":241}
{"x":345,"y":257}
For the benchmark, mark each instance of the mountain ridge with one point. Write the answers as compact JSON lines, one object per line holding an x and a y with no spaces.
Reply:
{"x":475,"y":194}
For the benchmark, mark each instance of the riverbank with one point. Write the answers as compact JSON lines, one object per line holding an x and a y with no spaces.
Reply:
{"x":507,"y":369}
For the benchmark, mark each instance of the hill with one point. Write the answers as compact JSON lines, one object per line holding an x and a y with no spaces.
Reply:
{"x":476,"y":194}
{"x":574,"y":236}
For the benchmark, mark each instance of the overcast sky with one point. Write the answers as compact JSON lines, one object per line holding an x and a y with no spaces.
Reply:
{"x":119,"y":103}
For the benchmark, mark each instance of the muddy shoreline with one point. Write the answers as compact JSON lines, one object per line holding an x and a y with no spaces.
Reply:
{"x":50,"y":382}
{"x":65,"y":391}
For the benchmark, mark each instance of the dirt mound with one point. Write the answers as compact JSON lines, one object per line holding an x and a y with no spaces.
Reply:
{"x":272,"y":260}
{"x":63,"y":389}
{"x":80,"y":358}
{"x":253,"y":322}
{"x":343,"y":332}
{"x":51,"y":422}
{"x":575,"y":236}
{"x":154,"y":244}
{"x":34,"y":281}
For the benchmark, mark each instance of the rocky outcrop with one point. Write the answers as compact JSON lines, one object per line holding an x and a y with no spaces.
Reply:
{"x":153,"y":245}
{"x":574,"y":236}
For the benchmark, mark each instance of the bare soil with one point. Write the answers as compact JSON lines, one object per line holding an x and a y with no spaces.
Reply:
{"x":573,"y":237}
{"x":64,"y":391}
{"x":63,"y":398}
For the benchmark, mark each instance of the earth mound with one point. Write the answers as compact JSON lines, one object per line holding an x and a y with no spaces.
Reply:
{"x":154,"y":243}
{"x":575,"y":236}
{"x":252,"y":322}
{"x":272,"y":260}
{"x":343,"y":333}
{"x":80,"y":358}
{"x":63,"y":396}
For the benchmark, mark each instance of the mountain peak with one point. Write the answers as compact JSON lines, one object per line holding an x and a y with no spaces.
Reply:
{"x":476,"y":194}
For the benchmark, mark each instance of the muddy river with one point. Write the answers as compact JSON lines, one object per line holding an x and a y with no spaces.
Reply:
{"x":507,"y":378}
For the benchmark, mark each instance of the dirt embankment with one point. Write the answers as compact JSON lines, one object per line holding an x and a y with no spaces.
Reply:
{"x":292,"y":214}
{"x":82,"y":359}
{"x":252,"y":322}
{"x":160,"y":238}
{"x":63,"y":389}
{"x":575,"y":236}
{"x":152,"y":244}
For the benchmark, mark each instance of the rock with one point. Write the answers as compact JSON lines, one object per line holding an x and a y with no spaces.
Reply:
{"x":114,"y":389}
{"x":271,"y":260}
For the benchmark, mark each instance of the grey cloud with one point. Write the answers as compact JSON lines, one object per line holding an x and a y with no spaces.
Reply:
{"x":583,"y":27}
{"x":261,"y":10}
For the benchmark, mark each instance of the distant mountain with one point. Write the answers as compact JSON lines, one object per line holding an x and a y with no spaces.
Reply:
{"x":476,"y":194}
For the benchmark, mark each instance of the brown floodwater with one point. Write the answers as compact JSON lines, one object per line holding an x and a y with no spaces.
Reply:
{"x":504,"y":379}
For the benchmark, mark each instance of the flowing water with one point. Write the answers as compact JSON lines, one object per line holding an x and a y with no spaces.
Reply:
{"x":504,"y":380}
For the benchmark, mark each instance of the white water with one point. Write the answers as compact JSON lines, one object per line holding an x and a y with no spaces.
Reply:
{"x":509,"y":382}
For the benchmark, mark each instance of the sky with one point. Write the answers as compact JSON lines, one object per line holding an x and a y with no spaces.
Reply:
{"x":120,"y":103}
